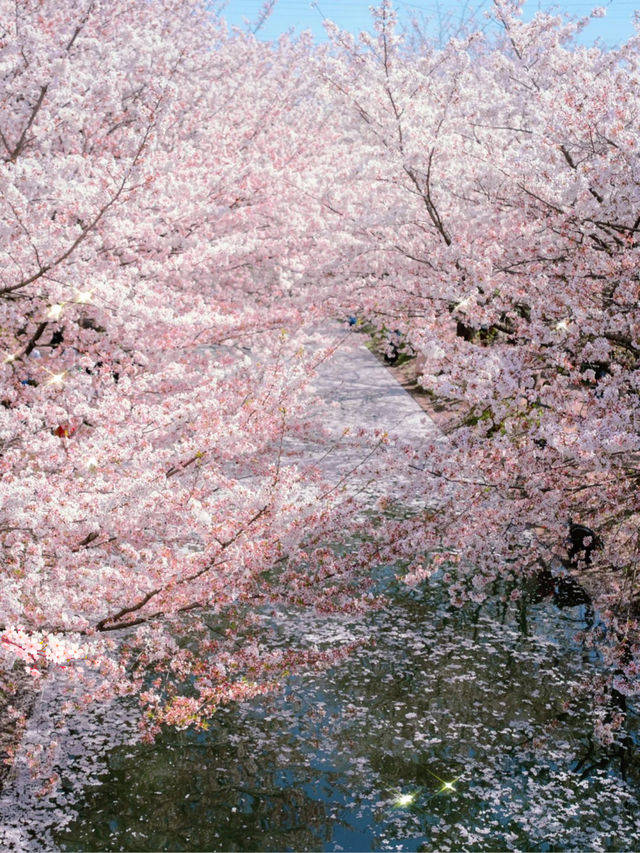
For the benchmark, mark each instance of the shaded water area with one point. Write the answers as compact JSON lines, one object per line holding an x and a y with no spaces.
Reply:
{"x":452,"y":729}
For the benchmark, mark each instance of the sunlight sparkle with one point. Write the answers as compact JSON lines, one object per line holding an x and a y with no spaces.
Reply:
{"x":57,"y":378}
{"x":55,"y":311}
{"x":403,"y":800}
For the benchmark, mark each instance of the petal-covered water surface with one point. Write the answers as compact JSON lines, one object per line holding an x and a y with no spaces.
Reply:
{"x":451,"y":729}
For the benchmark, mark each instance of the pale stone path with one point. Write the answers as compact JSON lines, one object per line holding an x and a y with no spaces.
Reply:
{"x":369,"y":395}
{"x":358,"y":392}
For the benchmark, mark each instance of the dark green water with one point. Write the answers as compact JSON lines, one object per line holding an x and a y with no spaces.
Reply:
{"x":456,"y":730}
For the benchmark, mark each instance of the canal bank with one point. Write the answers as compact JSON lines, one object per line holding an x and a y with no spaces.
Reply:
{"x":609,"y":591}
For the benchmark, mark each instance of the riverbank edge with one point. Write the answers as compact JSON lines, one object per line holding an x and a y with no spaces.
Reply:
{"x":599,"y":583}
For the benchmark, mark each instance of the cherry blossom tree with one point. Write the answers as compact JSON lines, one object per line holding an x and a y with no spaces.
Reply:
{"x":495,"y":223}
{"x":152,"y":374}
{"x":177,"y":203}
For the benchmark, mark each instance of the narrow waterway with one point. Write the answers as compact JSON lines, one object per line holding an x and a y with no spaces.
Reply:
{"x":452,"y":729}
{"x":447,"y":729}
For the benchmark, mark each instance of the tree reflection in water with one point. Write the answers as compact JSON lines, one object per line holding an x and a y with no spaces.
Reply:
{"x":189,"y":793}
{"x":454,"y":730}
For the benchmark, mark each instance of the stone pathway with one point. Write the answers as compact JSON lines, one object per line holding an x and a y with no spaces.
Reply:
{"x":369,"y":396}
{"x":359,"y":393}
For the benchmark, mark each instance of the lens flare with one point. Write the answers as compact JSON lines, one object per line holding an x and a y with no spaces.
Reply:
{"x":404,"y":800}
{"x":57,"y":378}
{"x":55,"y":311}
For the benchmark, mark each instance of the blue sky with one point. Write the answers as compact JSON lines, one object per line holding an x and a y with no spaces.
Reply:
{"x":354,"y":14}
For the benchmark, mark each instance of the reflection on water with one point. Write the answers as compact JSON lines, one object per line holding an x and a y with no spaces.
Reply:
{"x":457,"y":729}
{"x":563,"y":589}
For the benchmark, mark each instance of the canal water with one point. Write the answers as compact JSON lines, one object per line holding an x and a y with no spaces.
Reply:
{"x":448,"y":729}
